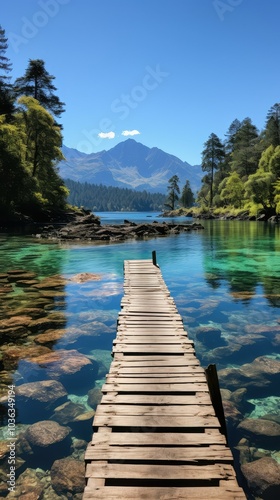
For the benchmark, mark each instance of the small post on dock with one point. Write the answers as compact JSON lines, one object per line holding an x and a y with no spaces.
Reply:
{"x":215,"y":395}
{"x":154,"y":257}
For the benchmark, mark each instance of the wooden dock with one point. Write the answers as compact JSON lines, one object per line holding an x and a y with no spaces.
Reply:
{"x":156,"y":435}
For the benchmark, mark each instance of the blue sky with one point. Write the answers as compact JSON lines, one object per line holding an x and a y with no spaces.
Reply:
{"x":165,"y":72}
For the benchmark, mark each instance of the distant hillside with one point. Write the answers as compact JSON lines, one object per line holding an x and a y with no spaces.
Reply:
{"x":129,"y":164}
{"x":101,"y":198}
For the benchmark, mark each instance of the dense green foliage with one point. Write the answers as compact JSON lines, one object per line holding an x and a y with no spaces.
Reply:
{"x":243,"y":172}
{"x":30,"y":143}
{"x":101,"y":198}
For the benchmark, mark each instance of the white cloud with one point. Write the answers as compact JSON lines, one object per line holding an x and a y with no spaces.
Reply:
{"x":106,"y":135}
{"x":130,"y":132}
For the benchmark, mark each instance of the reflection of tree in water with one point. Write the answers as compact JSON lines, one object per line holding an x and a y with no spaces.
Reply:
{"x":213,"y":280}
{"x":271,"y":286}
{"x":239,"y":253}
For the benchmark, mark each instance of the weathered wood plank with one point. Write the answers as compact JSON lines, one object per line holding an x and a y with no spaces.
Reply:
{"x":145,"y":348}
{"x":155,"y":421}
{"x":183,"y":454}
{"x":112,"y":379}
{"x":154,"y":388}
{"x":162,"y":472}
{"x":154,"y":370}
{"x":133,"y":409}
{"x":153,"y":399}
{"x":155,"y":332}
{"x":201,"y":439}
{"x":160,"y":493}
{"x":182,"y":359}
{"x":130,"y":340}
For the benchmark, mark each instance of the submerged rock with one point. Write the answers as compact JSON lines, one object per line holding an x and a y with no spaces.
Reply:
{"x":209,"y":336}
{"x":14,"y":328}
{"x":85,"y":277}
{"x":51,"y":282}
{"x":13,"y":333}
{"x":68,"y":476}
{"x":262,"y":374}
{"x":66,"y":413}
{"x":263,"y":477}
{"x":232,"y":414}
{"x":47,"y":322}
{"x":38,"y":399}
{"x":23,"y":320}
{"x":50,"y":337}
{"x":28,"y":486}
{"x":261,"y":432}
{"x":33,"y":312}
{"x":93,"y":331}
{"x":221,"y":353}
{"x":70,"y":367}
{"x":12,"y":355}
{"x":45,"y":433}
{"x":94,"y":397}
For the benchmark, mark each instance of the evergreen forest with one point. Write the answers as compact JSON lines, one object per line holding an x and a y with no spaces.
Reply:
{"x":99,"y":198}
{"x":242,"y":173}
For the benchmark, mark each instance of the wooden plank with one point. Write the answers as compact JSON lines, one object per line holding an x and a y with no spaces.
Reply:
{"x":168,"y":374}
{"x":161,"y":472}
{"x":170,"y":388}
{"x":130,"y":319}
{"x":141,"y":314}
{"x":201,"y":439}
{"x":182,"y":454}
{"x":160,"y":493}
{"x":155,"y":370}
{"x":133,"y":409}
{"x":150,"y":330}
{"x":146,"y":348}
{"x":154,"y":339}
{"x":112,"y":379}
{"x":155,"y":421}
{"x":148,"y":399}
{"x":160,"y":360}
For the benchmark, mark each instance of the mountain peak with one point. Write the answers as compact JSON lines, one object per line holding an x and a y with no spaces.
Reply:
{"x":129,"y":164}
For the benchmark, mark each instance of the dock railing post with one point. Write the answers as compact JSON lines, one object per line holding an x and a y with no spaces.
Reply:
{"x":215,"y":395}
{"x":154,"y":257}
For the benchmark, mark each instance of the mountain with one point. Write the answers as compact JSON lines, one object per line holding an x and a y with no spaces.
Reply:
{"x":129,"y":164}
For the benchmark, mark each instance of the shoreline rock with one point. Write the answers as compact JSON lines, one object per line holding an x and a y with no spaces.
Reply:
{"x":88,"y":228}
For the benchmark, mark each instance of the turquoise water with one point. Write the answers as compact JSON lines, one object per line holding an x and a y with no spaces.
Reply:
{"x":225,"y":278}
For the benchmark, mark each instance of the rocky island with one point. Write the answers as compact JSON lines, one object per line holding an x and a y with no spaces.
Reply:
{"x":88,"y":228}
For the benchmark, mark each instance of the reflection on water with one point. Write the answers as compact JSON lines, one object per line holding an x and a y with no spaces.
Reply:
{"x":59,"y":307}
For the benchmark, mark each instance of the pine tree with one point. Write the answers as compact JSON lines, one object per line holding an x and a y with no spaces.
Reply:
{"x":231,"y":135}
{"x":212,"y":157}
{"x":246,"y":152}
{"x":6,"y":98}
{"x":37,"y":83}
{"x":187,"y":198}
{"x":173,"y":192}
{"x":5,"y":65}
{"x":272,"y":130}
